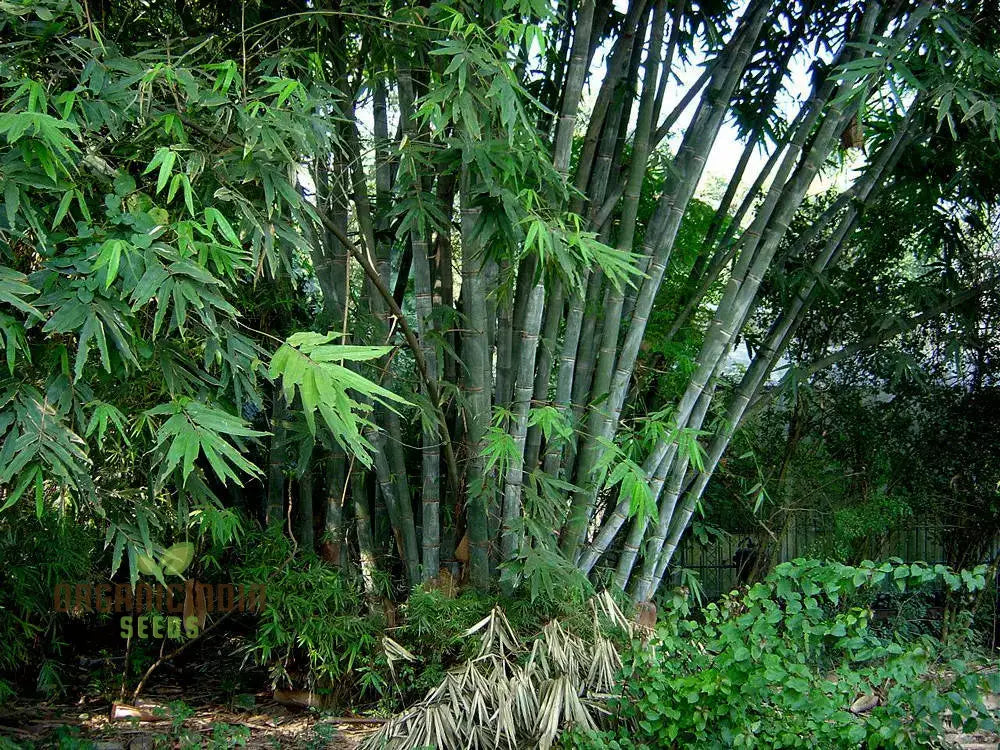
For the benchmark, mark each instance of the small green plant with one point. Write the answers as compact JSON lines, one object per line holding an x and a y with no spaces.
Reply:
{"x":67,"y":737}
{"x":178,"y":712}
{"x":229,"y":735}
{"x":323,"y":734}
{"x":244,"y":702}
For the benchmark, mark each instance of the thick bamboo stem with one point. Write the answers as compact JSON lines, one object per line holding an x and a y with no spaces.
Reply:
{"x":743,"y":294}
{"x":474,"y":384}
{"x":660,"y":236}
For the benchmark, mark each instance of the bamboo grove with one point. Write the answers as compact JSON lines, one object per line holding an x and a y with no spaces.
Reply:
{"x":384,"y":273}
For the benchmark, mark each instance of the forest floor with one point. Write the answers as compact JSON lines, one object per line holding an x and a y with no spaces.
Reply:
{"x":203,"y":704}
{"x":168,"y":723}
{"x":210,"y":698}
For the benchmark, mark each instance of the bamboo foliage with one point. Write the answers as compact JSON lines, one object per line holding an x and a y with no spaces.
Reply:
{"x":531,"y":325}
{"x":490,"y":197}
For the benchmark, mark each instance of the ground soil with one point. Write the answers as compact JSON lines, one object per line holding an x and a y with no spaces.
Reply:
{"x":88,"y":724}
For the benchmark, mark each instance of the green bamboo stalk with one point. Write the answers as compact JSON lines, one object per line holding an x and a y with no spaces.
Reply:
{"x":383,"y":164}
{"x":390,"y":464}
{"x":526,"y":281}
{"x":727,"y":247}
{"x":616,"y":125}
{"x":576,"y":355}
{"x":608,"y":167}
{"x":399,"y":511}
{"x":677,"y":464}
{"x":581,"y":371}
{"x":527,"y":350}
{"x":666,"y":221}
{"x":274,"y":510}
{"x":333,"y":526}
{"x":575,"y":75}
{"x":372,"y":276}
{"x":620,"y":56}
{"x":662,"y":231}
{"x":510,"y":533}
{"x":751,"y":384}
{"x":636,"y":177}
{"x":491,"y":274}
{"x":667,"y":64}
{"x":716,"y":343}
{"x":474,"y":383}
{"x":543,"y":370}
{"x":736,"y":224}
{"x":603,"y":215}
{"x":304,"y":512}
{"x":504,"y":343}
{"x":747,"y":275}
{"x":389,"y":418}
{"x":564,"y":381}
{"x":655,"y":467}
{"x":783,"y":199}
{"x":363,"y":529}
{"x":329,"y":257}
{"x":424,"y":303}
{"x":626,"y":560}
{"x":664,"y":128}
{"x":590,"y":339}
{"x":443,"y":270}
{"x":599,"y":418}
{"x":754,"y":138}
{"x":431,"y":456}
{"x":555,"y":67}
{"x":761,"y":239}
{"x":574,"y":349}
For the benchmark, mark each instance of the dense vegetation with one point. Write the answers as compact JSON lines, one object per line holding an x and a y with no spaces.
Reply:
{"x":795,"y":662}
{"x":406,"y":311}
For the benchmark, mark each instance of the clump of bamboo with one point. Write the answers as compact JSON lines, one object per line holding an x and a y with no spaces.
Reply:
{"x":513,"y":694}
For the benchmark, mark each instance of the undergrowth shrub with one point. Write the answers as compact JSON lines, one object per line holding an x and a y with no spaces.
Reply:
{"x":315,"y":629}
{"x":33,"y":558}
{"x":318,"y":629}
{"x":793,"y":662}
{"x":433,"y":627}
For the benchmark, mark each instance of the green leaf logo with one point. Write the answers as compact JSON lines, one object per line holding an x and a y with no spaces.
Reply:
{"x":173,"y":561}
{"x":147,"y":565}
{"x":176,"y":559}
